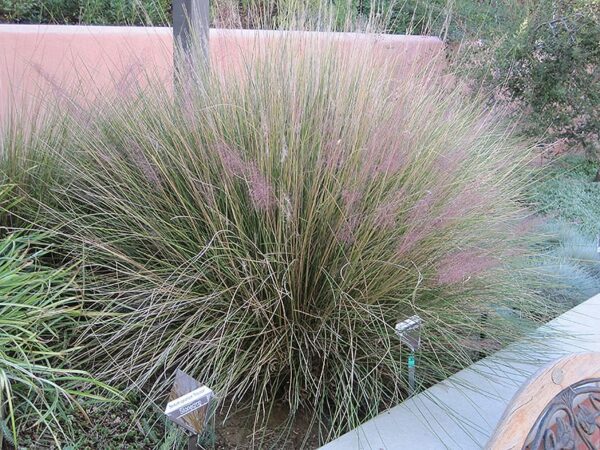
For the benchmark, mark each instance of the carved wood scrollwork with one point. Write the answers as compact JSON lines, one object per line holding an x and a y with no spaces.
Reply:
{"x":571,"y":421}
{"x":558,"y":408}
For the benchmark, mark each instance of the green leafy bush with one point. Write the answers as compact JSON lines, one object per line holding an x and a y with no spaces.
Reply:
{"x":550,"y":68}
{"x":132,"y":12}
{"x":225,"y":13}
{"x":454,"y":21}
{"x":266,"y":230}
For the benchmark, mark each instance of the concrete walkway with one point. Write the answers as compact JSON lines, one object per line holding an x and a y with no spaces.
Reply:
{"x":463,"y":411}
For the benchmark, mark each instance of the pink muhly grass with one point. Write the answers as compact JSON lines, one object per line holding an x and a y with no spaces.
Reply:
{"x":411,"y":238}
{"x":461,"y":205}
{"x":351,"y":199}
{"x":468,"y":199}
{"x":386,"y":213}
{"x":232,"y":162}
{"x":419,"y":223}
{"x":527,"y":225}
{"x":261,"y":191}
{"x":259,"y":188}
{"x":449,"y":162}
{"x":389,"y":145}
{"x":385,"y":152}
{"x":422,"y":208}
{"x":421,"y":220}
{"x":347,"y":229}
{"x":460,"y":266}
{"x":391,"y":162}
{"x":333,"y":155}
{"x":144,"y":166}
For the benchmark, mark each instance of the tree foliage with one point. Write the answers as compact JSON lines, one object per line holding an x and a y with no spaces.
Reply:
{"x":550,"y":67}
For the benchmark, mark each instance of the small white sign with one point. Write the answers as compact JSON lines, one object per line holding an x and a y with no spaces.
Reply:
{"x":190,"y":402}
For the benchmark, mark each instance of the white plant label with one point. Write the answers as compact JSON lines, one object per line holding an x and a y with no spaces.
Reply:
{"x":189,"y":404}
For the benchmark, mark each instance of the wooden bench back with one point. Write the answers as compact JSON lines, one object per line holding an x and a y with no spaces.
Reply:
{"x":558,"y":408}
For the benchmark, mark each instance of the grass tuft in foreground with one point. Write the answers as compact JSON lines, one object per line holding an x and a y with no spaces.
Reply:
{"x":38,"y":310}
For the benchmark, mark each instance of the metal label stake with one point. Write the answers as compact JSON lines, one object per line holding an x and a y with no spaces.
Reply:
{"x":409,"y":333}
{"x":411,"y":374}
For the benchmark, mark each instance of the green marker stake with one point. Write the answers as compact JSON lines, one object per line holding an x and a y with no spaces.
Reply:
{"x":411,"y":374}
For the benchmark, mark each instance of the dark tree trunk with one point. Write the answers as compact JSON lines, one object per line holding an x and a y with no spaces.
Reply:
{"x":597,"y":179}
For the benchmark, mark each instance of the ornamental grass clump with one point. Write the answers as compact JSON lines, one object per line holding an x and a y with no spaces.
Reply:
{"x":38,"y":310}
{"x":264,"y":228}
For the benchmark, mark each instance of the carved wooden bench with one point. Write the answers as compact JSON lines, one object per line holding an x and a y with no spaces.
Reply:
{"x":557,"y":409}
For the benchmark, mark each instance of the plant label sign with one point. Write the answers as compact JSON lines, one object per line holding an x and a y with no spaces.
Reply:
{"x":409,"y":332}
{"x":189,"y":403}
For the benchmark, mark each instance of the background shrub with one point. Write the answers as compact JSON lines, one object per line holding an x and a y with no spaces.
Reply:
{"x":549,"y":68}
{"x":456,"y":20}
{"x":97,"y":12}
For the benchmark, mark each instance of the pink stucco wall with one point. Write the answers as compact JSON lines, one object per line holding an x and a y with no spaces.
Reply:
{"x":38,"y":62}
